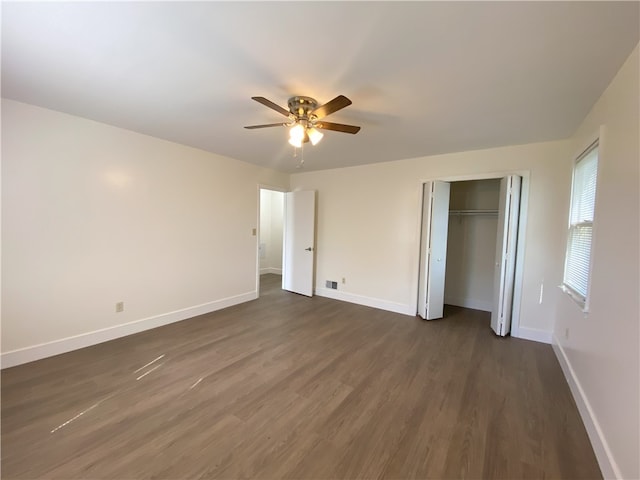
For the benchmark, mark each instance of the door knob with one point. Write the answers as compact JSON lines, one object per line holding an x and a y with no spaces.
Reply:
{"x":309,"y":249}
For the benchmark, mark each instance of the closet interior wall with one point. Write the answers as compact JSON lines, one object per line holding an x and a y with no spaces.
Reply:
{"x":471,"y":243}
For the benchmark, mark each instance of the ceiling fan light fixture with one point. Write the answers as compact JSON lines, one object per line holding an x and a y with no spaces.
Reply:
{"x":296,"y":135}
{"x":315,"y":135}
{"x":295,"y":142}
{"x":297,"y":132}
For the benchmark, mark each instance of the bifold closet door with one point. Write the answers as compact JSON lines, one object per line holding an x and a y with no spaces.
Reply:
{"x":505,"y":260}
{"x":433,"y":249}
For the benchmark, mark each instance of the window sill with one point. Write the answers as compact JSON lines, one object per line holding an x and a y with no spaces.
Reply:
{"x":581,"y":302}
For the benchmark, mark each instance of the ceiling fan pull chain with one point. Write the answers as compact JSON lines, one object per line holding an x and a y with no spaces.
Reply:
{"x":301,"y":163}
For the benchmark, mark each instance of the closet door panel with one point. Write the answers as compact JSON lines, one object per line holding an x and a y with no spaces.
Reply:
{"x":505,"y":259}
{"x":433,"y":249}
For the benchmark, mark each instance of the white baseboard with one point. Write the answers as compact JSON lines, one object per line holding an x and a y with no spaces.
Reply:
{"x":366,"y":301}
{"x":608,"y":465}
{"x":542,"y":336}
{"x":469,"y":303}
{"x":277,"y":271}
{"x":49,"y":349}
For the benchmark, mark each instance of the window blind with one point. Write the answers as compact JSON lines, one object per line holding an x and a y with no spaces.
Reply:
{"x":578,"y":258}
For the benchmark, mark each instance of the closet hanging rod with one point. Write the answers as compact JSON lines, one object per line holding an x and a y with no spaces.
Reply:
{"x":473,"y":212}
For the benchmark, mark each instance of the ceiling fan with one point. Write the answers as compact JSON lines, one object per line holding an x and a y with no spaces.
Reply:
{"x":304,"y":117}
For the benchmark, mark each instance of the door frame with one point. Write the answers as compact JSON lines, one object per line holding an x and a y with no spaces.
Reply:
{"x":522,"y":229}
{"x":257,"y":235}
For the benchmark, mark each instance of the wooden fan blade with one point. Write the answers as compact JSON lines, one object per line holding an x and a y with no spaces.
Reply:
{"x":332,"y":106}
{"x":267,"y":125}
{"x":338,"y":127}
{"x":273,"y":106}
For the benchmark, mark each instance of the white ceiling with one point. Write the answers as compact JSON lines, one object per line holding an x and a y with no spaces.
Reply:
{"x":424,"y":77}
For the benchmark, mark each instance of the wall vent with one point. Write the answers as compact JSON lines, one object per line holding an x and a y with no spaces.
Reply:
{"x":331,"y":284}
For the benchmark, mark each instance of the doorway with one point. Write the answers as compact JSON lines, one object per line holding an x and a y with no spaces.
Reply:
{"x":471,"y":247}
{"x":270,"y":236}
{"x":286,"y":239}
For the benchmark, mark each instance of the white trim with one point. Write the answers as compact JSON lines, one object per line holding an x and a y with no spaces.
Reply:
{"x":607,"y":463}
{"x":56,"y":347}
{"x":265,"y":186}
{"x":576,"y":297}
{"x":367,"y":301}
{"x":542,"y":336}
{"x":469,"y":303}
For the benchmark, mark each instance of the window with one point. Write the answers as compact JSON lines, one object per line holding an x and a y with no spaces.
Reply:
{"x":583,"y":195}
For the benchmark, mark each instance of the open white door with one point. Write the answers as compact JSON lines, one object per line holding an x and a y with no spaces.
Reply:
{"x":433,"y":249}
{"x":504,"y":275}
{"x":298,"y":245}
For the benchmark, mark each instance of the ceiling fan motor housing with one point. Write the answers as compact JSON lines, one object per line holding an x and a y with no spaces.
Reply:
{"x":301,"y":107}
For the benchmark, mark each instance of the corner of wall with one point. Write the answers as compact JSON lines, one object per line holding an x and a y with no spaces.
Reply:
{"x":534,"y":334}
{"x":600,"y":446}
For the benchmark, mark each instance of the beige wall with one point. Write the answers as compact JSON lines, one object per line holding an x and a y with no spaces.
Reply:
{"x":93,"y":215}
{"x":369,"y":225}
{"x":600,"y":350}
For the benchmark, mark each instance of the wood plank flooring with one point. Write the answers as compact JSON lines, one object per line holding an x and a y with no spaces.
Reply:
{"x":292,"y":387}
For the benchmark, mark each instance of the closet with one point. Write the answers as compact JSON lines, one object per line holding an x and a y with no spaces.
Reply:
{"x":468,"y":247}
{"x":471,"y":243}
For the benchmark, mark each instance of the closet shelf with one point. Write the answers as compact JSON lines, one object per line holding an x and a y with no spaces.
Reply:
{"x":473,"y":212}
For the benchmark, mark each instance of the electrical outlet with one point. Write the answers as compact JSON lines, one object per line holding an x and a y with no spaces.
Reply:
{"x":344,"y":280}
{"x":119,"y":307}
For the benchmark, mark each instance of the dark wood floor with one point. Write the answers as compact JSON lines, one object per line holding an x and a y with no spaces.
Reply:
{"x":292,"y":387}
